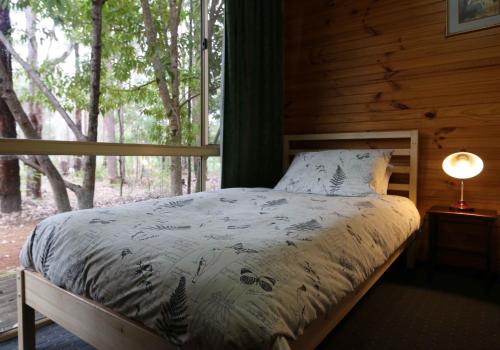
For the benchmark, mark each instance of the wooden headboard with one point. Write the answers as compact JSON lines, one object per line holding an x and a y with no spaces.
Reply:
{"x":405,"y":157}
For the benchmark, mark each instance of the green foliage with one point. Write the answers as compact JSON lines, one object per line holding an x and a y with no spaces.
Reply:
{"x":128,"y":81}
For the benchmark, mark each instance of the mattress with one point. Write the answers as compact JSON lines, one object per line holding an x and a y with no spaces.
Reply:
{"x":236,"y":268}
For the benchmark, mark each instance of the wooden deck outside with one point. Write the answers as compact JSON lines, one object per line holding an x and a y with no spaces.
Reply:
{"x":8,"y":307}
{"x":8,"y":315}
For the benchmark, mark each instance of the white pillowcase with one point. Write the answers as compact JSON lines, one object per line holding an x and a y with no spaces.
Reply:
{"x":339,"y":173}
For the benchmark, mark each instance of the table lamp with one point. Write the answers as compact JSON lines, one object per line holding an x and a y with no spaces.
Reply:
{"x":462,"y":165}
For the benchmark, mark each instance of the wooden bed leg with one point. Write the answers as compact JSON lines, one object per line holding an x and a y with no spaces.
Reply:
{"x":411,"y":253}
{"x":25,"y":317}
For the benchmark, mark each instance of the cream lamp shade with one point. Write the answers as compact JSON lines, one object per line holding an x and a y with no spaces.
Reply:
{"x":463,"y":165}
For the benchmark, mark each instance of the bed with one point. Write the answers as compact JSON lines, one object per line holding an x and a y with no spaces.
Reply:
{"x":249,"y":268}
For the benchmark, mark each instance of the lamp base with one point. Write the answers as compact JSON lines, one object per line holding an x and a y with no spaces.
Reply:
{"x":461,"y":206}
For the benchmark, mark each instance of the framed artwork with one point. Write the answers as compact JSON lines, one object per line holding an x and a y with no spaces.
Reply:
{"x":470,"y":15}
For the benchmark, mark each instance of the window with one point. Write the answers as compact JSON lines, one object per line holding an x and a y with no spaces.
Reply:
{"x":136,"y":156}
{"x":215,"y":34}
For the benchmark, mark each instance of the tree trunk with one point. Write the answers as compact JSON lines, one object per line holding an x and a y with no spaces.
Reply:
{"x":10,"y":181}
{"x":33,"y":176}
{"x":159,"y":69}
{"x":110,"y":136}
{"x":170,"y":102}
{"x":121,"y":159}
{"x":109,"y":133}
{"x":77,"y":160}
{"x":176,"y":136}
{"x":57,"y":183}
{"x":138,"y":163}
{"x":35,"y":77}
{"x":86,"y":195}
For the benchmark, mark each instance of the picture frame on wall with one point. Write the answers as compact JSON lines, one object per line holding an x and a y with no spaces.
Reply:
{"x":470,"y":15}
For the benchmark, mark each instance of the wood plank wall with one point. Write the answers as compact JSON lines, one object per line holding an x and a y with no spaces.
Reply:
{"x":358,"y":65}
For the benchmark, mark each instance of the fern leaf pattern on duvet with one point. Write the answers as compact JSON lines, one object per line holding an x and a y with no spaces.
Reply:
{"x":48,"y":252}
{"x":160,"y":227}
{"x":175,"y":204}
{"x":203,"y":272}
{"x":337,"y":180}
{"x":73,"y":276}
{"x":172,"y":322}
{"x":307,"y":226}
{"x":274,"y":203}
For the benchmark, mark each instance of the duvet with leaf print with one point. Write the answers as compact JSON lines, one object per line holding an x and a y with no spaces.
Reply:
{"x":235,"y":268}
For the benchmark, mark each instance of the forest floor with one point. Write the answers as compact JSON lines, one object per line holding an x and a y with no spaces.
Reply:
{"x":16,"y":227}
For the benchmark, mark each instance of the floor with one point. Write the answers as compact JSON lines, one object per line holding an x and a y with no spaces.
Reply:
{"x":8,"y":310}
{"x":405,"y":310}
{"x":12,"y":238}
{"x":8,"y":316}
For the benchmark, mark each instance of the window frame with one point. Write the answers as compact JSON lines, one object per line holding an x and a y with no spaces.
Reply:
{"x":204,"y":150}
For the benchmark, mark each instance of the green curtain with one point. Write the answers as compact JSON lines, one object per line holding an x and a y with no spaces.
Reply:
{"x":253,"y":94}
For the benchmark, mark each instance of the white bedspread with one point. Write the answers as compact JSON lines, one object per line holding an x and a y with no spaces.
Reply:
{"x":236,"y":268}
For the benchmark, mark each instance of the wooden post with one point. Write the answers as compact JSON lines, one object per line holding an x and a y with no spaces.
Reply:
{"x":413,"y":165}
{"x":204,"y":122}
{"x":411,"y":250}
{"x":25,"y":317}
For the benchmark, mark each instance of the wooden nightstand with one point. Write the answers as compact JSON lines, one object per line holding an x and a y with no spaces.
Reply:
{"x":465,"y":239}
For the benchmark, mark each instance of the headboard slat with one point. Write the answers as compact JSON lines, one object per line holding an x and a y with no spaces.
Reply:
{"x":401,"y":169}
{"x":399,"y":187}
{"x":397,"y":151}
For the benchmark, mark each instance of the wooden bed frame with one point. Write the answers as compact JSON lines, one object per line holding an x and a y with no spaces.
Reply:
{"x":104,"y":329}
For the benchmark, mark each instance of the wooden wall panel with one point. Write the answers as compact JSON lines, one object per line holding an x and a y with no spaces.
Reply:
{"x":361,"y":65}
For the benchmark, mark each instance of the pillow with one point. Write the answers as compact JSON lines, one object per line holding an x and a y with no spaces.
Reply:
{"x":385,"y":183}
{"x":338,"y":173}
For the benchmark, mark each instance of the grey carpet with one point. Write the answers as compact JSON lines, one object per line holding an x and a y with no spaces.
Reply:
{"x":52,"y":337}
{"x":407,"y":311}
{"x":404,"y":311}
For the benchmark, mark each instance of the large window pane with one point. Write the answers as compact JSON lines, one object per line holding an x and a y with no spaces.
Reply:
{"x":55,"y":42}
{"x":119,"y":180}
{"x":215,"y":67}
{"x":213,"y":173}
{"x":131,"y":108}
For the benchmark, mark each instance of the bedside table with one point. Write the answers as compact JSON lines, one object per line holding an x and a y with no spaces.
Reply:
{"x":462,"y":238}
